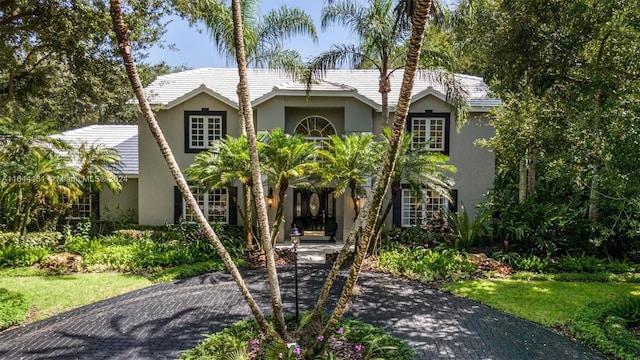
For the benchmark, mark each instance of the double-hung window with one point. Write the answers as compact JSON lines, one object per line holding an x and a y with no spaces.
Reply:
{"x":203,"y":127}
{"x":416,"y":211}
{"x":214,"y":205}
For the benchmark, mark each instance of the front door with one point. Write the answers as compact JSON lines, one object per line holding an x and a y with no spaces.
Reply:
{"x":315,"y":211}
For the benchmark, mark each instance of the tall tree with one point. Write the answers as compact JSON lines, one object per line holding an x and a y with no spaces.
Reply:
{"x":58,"y":60}
{"x":261,"y":208}
{"x":124,"y":45}
{"x":265,"y":36}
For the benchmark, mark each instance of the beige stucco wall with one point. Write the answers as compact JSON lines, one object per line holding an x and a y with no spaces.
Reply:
{"x":476,"y":166}
{"x":156,"y":184}
{"x":122,"y":206}
{"x":349,"y":115}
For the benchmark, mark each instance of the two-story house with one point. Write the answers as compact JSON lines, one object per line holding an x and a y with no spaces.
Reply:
{"x":198,"y":106}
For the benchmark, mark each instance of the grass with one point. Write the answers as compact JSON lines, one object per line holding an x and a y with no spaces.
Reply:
{"x":549,"y":303}
{"x":54,"y":294}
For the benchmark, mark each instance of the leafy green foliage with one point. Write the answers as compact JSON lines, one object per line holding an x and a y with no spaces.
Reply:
{"x":244,"y":338}
{"x":605,"y":326}
{"x":13,"y":308}
{"x":47,"y":239}
{"x":425,"y":264}
{"x":14,"y":255}
{"x":466,"y":233}
{"x":59,"y":61}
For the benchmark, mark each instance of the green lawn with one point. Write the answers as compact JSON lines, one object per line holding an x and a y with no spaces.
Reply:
{"x":55,"y":294}
{"x":549,"y":303}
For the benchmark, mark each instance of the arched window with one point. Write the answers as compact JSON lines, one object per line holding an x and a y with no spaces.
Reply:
{"x":315,"y":129}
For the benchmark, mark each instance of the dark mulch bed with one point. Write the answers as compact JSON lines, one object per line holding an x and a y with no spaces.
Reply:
{"x":256,"y":258}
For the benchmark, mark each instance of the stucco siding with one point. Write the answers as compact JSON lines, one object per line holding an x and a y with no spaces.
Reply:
{"x":122,"y":206}
{"x":476,"y":165}
{"x":156,"y":202}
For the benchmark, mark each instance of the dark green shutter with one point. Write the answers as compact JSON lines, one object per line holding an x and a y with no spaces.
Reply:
{"x":453,"y":204}
{"x":95,"y":204}
{"x":233,"y":209}
{"x":177,"y":205}
{"x":397,"y":209}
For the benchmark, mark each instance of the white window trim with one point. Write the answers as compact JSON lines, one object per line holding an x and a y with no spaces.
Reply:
{"x":429,"y":124}
{"x":209,"y":122}
{"x":187,"y":216}
{"x":406,"y":210}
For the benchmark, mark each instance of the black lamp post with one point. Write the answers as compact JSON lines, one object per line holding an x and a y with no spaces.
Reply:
{"x":295,"y":239}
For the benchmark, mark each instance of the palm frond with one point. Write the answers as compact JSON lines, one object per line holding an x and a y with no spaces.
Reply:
{"x":284,"y":23}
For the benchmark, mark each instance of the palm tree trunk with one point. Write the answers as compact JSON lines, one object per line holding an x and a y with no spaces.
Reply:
{"x":263,"y":219}
{"x":522,"y":185}
{"x":248,"y":220}
{"x":422,"y":8}
{"x":279,"y":219}
{"x":384,"y":89}
{"x":124,"y":46}
{"x":531,"y":173}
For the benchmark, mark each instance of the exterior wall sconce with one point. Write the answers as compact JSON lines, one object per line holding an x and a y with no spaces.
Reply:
{"x":270,"y":198}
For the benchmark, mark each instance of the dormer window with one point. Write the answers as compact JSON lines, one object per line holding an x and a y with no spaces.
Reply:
{"x":202,"y":128}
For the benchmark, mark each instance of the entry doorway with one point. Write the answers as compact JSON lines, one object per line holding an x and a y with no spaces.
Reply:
{"x":314,"y":213}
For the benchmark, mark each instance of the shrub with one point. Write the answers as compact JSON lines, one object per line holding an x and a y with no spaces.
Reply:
{"x":433,"y":233}
{"x":605,"y":326}
{"x":147,"y":251}
{"x":13,"y":308}
{"x":425,"y":264}
{"x":244,"y":337}
{"x":15,"y":255}
{"x":47,"y":239}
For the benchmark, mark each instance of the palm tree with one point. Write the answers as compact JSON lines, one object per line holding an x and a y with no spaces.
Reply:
{"x":226,"y":162}
{"x":26,"y":155}
{"x":261,"y":208}
{"x":286,"y":158}
{"x":382,"y":36}
{"x":264,"y":35}
{"x":348,"y":163}
{"x":41,"y":179}
{"x":419,"y":20}
{"x":97,"y":164}
{"x":24,"y":133}
{"x":124,"y":46}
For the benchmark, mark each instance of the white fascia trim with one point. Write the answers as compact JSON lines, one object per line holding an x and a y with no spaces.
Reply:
{"x":202,"y":89}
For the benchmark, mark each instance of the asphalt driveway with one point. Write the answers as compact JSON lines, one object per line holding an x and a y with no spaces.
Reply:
{"x":160,"y":321}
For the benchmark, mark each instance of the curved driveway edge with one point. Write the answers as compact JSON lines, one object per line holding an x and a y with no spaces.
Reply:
{"x":160,"y":321}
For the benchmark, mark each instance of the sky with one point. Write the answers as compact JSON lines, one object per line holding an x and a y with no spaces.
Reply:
{"x":194,"y":47}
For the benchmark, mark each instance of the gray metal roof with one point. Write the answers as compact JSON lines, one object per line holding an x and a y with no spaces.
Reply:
{"x":122,"y":138}
{"x":170,"y":90}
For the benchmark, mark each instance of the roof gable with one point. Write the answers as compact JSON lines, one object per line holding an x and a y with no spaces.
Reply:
{"x":221,"y":83}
